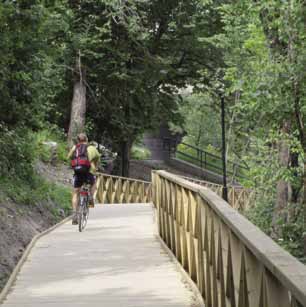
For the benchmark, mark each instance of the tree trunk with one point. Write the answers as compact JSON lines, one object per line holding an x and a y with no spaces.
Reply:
{"x":282,"y":189}
{"x":78,"y":105}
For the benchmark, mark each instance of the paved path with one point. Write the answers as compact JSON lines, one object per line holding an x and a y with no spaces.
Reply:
{"x":117,"y":261}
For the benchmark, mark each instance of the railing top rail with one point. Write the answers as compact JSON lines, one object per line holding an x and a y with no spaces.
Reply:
{"x":200,"y":150}
{"x":123,"y":178}
{"x":285,"y":267}
{"x":214,"y":156}
{"x":199,"y":181}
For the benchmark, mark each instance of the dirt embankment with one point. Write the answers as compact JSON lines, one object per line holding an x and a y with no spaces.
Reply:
{"x":20,"y":223}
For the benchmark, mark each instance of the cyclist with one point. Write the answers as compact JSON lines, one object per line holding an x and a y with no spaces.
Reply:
{"x":85,"y":160}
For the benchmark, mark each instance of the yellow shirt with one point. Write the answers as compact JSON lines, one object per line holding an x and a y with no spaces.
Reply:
{"x":93,"y":157}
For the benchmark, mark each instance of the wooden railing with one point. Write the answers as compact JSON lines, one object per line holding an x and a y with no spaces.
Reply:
{"x":239,"y":198}
{"x":232,"y":262}
{"x":118,"y":190}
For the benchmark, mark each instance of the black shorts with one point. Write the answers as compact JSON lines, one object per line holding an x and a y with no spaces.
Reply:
{"x":79,"y":180}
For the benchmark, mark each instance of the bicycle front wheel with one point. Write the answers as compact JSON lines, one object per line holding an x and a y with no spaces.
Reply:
{"x":83,"y":214}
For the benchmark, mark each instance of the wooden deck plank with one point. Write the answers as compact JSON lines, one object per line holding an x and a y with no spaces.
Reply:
{"x":116,"y":261}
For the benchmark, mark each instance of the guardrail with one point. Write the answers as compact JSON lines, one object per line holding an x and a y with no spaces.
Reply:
{"x":204,"y":159}
{"x":231,"y":261}
{"x":119,"y":190}
{"x":239,"y":197}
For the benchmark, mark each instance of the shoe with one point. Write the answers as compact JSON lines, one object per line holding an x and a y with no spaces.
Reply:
{"x":75,"y":219}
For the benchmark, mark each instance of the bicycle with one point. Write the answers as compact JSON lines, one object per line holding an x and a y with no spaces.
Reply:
{"x":83,"y":210}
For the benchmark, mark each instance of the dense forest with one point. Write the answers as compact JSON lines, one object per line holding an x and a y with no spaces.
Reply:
{"x":117,"y":68}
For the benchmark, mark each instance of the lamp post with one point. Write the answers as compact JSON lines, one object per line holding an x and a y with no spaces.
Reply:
{"x":224,"y":190}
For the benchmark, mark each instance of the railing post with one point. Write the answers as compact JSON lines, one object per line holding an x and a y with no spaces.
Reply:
{"x":201,"y":159}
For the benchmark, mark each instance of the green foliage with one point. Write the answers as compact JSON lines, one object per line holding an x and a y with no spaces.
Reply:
{"x":142,"y":53}
{"x":140,"y":153}
{"x":61,"y":196}
{"x":263,"y":46}
{"x":201,"y":122}
{"x":31,"y":76}
{"x":20,"y":148}
{"x":292,"y":230}
{"x":135,"y":57}
{"x":34,"y":192}
{"x":191,"y":155}
{"x":17,"y":151}
{"x":211,"y":159}
{"x":50,"y":134}
{"x":261,"y":214}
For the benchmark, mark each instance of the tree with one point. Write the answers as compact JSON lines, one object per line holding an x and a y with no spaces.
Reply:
{"x":136,"y":56}
{"x":264,"y":51}
{"x":200,"y":122}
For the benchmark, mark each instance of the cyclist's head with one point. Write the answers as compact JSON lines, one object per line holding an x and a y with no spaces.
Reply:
{"x":82,"y":138}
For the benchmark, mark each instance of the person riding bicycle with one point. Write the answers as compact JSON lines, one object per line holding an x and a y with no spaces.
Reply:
{"x":85,"y":159}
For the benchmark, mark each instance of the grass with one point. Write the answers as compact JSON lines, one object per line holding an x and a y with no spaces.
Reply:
{"x":35,"y":191}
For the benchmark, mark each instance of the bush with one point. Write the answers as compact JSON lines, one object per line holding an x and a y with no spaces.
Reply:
{"x":34,"y":192}
{"x":292,"y":231}
{"x":17,"y":151}
{"x":19,"y":148}
{"x":261,"y":215}
{"x":140,"y":153}
{"x":50,"y":134}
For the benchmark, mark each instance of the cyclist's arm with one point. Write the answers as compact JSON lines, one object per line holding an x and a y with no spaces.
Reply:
{"x":96,"y":157}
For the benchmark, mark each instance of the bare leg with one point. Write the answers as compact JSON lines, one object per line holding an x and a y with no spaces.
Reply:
{"x":75,"y":199}
{"x":92,"y":193}
{"x":93,"y":189}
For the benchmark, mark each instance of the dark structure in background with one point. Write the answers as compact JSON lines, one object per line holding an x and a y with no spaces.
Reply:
{"x":157,"y":142}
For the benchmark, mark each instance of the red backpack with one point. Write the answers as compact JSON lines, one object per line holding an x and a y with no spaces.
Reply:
{"x":80,"y":162}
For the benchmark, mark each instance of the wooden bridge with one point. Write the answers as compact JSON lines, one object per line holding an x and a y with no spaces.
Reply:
{"x":120,"y":261}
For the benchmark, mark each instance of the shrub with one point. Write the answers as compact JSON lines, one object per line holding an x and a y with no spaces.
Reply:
{"x":36,"y":192}
{"x":17,"y":151}
{"x":140,"y":153}
{"x":50,"y":134}
{"x":19,"y":148}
